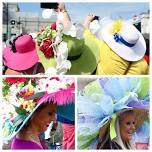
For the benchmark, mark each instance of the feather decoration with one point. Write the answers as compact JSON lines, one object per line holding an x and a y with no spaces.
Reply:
{"x":61,"y":97}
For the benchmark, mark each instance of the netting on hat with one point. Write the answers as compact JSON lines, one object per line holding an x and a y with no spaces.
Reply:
{"x":110,"y":96}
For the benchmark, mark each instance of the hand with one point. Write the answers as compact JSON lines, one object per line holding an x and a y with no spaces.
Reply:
{"x":65,"y":20}
{"x":61,"y":7}
{"x":88,"y":20}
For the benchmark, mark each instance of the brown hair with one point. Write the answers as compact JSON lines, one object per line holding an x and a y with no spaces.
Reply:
{"x":123,"y":114}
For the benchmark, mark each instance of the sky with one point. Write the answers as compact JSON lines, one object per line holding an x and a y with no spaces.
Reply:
{"x":78,"y":11}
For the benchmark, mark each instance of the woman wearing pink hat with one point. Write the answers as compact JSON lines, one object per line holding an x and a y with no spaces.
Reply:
{"x":20,"y":57}
{"x":33,"y":107}
{"x":122,"y":48}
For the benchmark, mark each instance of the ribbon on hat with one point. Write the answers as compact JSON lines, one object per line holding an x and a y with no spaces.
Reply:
{"x":118,"y":38}
{"x":12,"y":43}
{"x":112,"y":126}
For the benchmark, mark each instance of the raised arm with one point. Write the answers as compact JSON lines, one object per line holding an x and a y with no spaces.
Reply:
{"x":66,"y":18}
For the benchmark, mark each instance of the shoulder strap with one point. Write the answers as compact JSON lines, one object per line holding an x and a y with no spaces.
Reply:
{"x":36,"y":66}
{"x":126,"y":71}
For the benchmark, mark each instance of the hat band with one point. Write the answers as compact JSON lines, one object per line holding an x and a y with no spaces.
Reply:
{"x":118,"y":38}
{"x":72,"y":58}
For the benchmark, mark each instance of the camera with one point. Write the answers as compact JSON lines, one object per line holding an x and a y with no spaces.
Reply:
{"x":49,"y":5}
{"x":96,"y":18}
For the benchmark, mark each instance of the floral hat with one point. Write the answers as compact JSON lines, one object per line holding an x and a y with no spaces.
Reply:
{"x":106,"y":98}
{"x":63,"y":51}
{"x":23,"y":97}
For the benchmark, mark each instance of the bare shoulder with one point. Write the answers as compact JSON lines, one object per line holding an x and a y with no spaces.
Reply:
{"x":12,"y":72}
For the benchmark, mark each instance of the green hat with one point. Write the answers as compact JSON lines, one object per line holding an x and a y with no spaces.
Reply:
{"x":87,"y":62}
{"x":82,"y":55}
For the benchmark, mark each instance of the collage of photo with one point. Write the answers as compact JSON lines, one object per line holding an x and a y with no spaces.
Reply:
{"x":75,"y":75}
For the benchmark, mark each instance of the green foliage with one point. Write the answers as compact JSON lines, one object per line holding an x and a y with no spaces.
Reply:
{"x":20,"y":111}
{"x":5,"y":88}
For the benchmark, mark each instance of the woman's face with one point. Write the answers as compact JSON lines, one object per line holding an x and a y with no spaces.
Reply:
{"x":43,"y":117}
{"x":127,"y":127}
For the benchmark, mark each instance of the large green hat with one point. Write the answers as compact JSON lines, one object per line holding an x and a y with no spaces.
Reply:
{"x":87,"y":62}
{"x":83,"y":54}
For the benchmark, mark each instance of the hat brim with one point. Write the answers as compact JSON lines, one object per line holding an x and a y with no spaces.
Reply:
{"x":74,"y":45}
{"x":61,"y":111}
{"x":86,"y":64}
{"x":134,"y":53}
{"x":103,"y":130}
{"x":19,"y":61}
{"x":19,"y":127}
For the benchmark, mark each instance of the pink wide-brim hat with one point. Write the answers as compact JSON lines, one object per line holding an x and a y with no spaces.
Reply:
{"x":25,"y":56}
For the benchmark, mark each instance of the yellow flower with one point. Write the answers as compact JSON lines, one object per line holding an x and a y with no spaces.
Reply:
{"x":31,"y":105}
{"x":30,"y":89}
{"x":28,"y":105}
{"x":117,"y":25}
{"x":6,"y":132}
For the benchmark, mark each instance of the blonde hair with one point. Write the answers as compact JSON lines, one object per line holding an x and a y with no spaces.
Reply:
{"x":118,"y":139}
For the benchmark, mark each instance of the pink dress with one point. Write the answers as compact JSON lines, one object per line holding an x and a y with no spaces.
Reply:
{"x":26,"y":144}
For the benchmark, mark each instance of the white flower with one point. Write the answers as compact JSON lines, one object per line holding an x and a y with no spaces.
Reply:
{"x":51,"y":71}
{"x":63,"y":67}
{"x":52,"y":85}
{"x":69,"y":80}
{"x":58,"y":39}
{"x":62,"y":50}
{"x":62,"y":63}
{"x":133,"y":94}
{"x":8,"y":111}
{"x":14,"y":89}
{"x":59,"y":27}
{"x":11,"y":98}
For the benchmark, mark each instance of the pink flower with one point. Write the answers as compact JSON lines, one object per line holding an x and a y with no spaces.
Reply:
{"x":53,"y":26}
{"x":72,"y":86}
